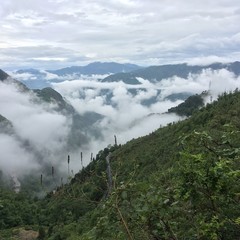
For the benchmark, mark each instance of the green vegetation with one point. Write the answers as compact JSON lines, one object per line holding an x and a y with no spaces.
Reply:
{"x":179,"y":182}
{"x":190,"y":105}
{"x":16,"y":209}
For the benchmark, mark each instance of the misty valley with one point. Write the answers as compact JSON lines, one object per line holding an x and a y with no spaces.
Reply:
{"x":120,"y":151}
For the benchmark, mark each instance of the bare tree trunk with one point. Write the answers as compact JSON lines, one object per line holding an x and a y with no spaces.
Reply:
{"x":109,"y":175}
{"x":82,"y":159}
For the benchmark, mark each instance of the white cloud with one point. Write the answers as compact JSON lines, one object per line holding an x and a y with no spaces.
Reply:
{"x":218,"y":81}
{"x":119,"y":30}
{"x":36,"y":125}
{"x":204,"y":61}
{"x":13,"y":156}
{"x":23,"y":76}
{"x":121,"y":104}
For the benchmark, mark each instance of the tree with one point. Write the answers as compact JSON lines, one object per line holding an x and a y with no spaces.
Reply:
{"x":209,"y":173}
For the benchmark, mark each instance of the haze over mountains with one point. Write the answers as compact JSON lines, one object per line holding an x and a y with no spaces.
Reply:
{"x":84,"y":112}
{"x":119,"y":120}
{"x":157,"y":73}
{"x":34,"y":78}
{"x":115,"y":72}
{"x":38,"y":129}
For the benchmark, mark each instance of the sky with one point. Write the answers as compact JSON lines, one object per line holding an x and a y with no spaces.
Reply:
{"x":51,"y":34}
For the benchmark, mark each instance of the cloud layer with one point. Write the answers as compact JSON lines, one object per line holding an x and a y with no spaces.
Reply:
{"x":129,"y":111}
{"x":68,"y":32}
{"x":39,"y":135}
{"x":124,"y":107}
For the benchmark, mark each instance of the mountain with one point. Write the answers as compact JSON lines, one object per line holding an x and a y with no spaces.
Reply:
{"x":98,"y":68}
{"x":157,"y":73}
{"x":49,"y":95}
{"x":179,"y":182}
{"x":32,"y":78}
{"x":3,"y":75}
{"x":82,"y":126}
{"x":38,"y":111}
{"x":163,"y":185}
{"x":30,"y":71}
{"x":191,"y":104}
{"x":83,"y":122}
{"x":6,"y":126}
{"x":38,"y":79}
{"x":128,"y":73}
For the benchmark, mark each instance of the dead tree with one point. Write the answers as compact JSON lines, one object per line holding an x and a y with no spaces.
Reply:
{"x":115,"y":139}
{"x":109,"y":175}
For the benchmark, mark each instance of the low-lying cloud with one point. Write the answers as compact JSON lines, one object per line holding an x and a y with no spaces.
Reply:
{"x":129,"y":111}
{"x":39,"y":133}
{"x":123,"y":105}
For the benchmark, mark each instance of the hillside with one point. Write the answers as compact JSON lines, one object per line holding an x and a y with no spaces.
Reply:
{"x":5,"y":78}
{"x":179,"y":182}
{"x":6,"y":126}
{"x":26,"y":118}
{"x":50,"y":96}
{"x":190,"y":105}
{"x":3,"y":75}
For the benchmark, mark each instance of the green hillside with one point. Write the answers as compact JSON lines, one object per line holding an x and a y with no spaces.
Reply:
{"x":190,"y":105}
{"x":179,"y":182}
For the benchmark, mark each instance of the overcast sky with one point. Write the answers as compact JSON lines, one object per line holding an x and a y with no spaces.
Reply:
{"x":51,"y":34}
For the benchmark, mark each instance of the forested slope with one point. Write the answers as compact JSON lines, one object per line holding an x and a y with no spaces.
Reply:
{"x":179,"y":182}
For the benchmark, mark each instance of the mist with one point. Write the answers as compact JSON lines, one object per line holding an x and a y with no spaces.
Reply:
{"x":40,"y":133}
{"x":123,"y":105}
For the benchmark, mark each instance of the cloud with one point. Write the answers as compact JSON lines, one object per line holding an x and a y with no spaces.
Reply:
{"x":123,"y":106}
{"x":14,"y":158}
{"x":217,"y":81}
{"x":23,"y":76}
{"x":204,"y":61}
{"x":40,"y":133}
{"x":129,"y":111}
{"x":117,"y":30}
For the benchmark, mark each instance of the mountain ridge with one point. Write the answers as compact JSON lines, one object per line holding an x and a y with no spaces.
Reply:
{"x":96,"y":68}
{"x":128,"y":73}
{"x":3,"y":75}
{"x":157,"y":73}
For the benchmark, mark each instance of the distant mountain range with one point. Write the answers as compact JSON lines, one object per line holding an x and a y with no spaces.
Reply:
{"x":96,"y":68}
{"x":35,"y":78}
{"x":157,"y":73}
{"x":128,"y":73}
